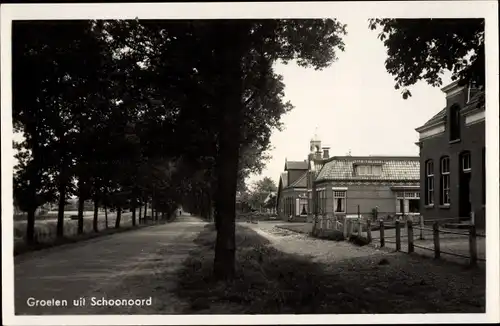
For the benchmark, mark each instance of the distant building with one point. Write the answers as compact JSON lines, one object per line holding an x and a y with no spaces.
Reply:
{"x":340,"y":185}
{"x":292,"y":191}
{"x":452,"y":158}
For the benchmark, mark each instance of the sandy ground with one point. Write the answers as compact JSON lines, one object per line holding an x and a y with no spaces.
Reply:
{"x":138,"y":264}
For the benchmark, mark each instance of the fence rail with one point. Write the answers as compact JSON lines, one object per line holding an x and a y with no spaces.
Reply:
{"x":390,"y":232}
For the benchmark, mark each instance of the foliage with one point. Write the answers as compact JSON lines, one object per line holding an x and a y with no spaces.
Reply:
{"x":423,"y":49}
{"x":157,"y":112}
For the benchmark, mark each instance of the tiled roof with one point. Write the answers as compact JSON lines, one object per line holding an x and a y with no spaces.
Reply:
{"x":393,"y":168}
{"x":296,"y":165}
{"x":441,"y":116}
{"x":301,"y":182}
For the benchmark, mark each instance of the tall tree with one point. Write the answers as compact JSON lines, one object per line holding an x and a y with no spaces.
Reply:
{"x":422,"y":49}
{"x":310,"y":43}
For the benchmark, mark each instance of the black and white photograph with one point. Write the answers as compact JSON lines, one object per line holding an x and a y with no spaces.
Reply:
{"x":250,"y":163}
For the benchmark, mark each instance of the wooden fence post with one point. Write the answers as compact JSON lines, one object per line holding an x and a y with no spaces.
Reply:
{"x":382,"y":240}
{"x":398,"y":236}
{"x":369,"y":230}
{"x":411,"y":248}
{"x":473,"y":245}
{"x":345,"y":227}
{"x":359,"y":222}
{"x":437,"y":249}
{"x":421,"y":227}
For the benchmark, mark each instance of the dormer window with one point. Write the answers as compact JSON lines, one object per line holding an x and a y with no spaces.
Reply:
{"x":454,"y":123}
{"x":368,"y":170}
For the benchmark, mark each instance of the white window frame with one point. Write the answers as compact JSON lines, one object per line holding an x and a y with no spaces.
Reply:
{"x":429,"y":182}
{"x":302,"y":202}
{"x":445,"y":175}
{"x":342,"y":195}
{"x":368,"y":170}
{"x":462,"y":161}
{"x":320,"y":196}
{"x":406,"y":196}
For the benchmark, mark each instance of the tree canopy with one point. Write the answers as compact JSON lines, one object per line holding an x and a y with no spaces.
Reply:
{"x":165,"y":113}
{"x":423,"y":49}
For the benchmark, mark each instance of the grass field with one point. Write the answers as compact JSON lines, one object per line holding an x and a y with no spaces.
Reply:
{"x":45,"y":230}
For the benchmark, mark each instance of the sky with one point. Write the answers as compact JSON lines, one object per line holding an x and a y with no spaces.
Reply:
{"x":352,"y":104}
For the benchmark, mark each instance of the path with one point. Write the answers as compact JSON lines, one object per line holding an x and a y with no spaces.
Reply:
{"x":138,"y":264}
{"x":386,"y":281}
{"x":319,"y":250}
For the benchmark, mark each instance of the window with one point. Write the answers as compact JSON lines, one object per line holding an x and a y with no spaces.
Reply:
{"x":429,"y":182}
{"x":322,"y":203}
{"x":407,"y":203}
{"x":321,"y":200}
{"x":374,"y":170}
{"x":303,"y":206}
{"x":454,"y":123}
{"x":465,"y":161}
{"x":339,"y":201}
{"x":483,"y":181}
{"x":309,"y":200}
{"x":444,"y":198}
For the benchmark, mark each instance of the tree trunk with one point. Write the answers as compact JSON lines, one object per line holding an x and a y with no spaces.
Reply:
{"x":118,"y":217}
{"x":133,"y":215}
{"x":81,"y":202}
{"x":60,"y":212}
{"x":140,"y":214}
{"x":230,"y":54}
{"x":30,"y":227}
{"x":96,"y":214}
{"x":106,"y":215}
{"x":145,"y":210}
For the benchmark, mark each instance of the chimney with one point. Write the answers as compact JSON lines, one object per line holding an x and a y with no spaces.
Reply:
{"x":326,"y":152}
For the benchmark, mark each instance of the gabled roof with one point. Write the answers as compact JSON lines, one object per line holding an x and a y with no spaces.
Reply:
{"x":474,"y":102}
{"x":394,"y":168}
{"x":296,"y":165}
{"x":301,"y":182}
{"x":441,"y":116}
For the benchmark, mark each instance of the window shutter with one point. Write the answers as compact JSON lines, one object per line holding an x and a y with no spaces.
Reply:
{"x":297,"y":207}
{"x":335,"y":204}
{"x":398,"y":206}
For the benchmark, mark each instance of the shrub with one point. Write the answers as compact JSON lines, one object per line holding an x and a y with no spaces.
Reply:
{"x":358,"y":240}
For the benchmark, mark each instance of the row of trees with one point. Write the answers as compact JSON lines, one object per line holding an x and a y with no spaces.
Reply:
{"x":130,"y":113}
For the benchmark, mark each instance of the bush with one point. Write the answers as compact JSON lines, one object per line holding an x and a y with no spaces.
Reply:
{"x":358,"y":240}
{"x":333,"y":235}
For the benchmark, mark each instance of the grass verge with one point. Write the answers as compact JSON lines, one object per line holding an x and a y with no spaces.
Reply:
{"x":272,"y":282}
{"x":21,"y":247}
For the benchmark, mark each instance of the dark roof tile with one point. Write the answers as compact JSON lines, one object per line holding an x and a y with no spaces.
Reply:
{"x":393,"y":168}
{"x":296,"y":165}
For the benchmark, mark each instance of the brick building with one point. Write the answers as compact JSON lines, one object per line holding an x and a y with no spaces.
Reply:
{"x":452,"y":158}
{"x":292,"y":191}
{"x":338,"y":186}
